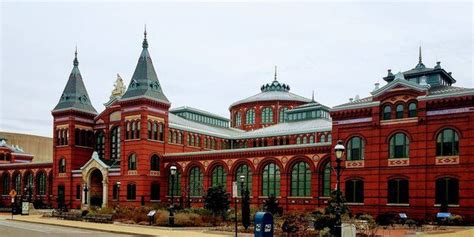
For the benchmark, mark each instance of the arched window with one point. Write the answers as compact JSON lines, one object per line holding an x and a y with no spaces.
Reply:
{"x":267,"y":115}
{"x":131,"y":191}
{"x":355,"y":191}
{"x":195,"y":182}
{"x":305,"y":140}
{"x":447,"y":143}
{"x":41,"y":179}
{"x":245,"y":171}
{"x":127,"y":133}
{"x":282,"y":114}
{"x":149,"y":129}
{"x":132,"y":162}
{"x":387,"y":112}
{"x":311,"y":139}
{"x":137,"y":131}
{"x":323,"y":138}
{"x":62,"y":166}
{"x":326,"y":180}
{"x":355,"y":149}
{"x":100,"y":144}
{"x":237,"y":119}
{"x":17,"y":183}
{"x":412,"y":110}
{"x":397,"y":191}
{"x":174,"y":183}
{"x":399,"y":111}
{"x":329,"y":137}
{"x":298,"y":140}
{"x":250,"y":116}
{"x":29,"y":180}
{"x":218,"y":177}
{"x":271,"y":180}
{"x":301,"y":180}
{"x":447,"y":191}
{"x":399,"y":146}
{"x":161,"y":132}
{"x":155,"y":163}
{"x":5,"y":184}
{"x":115,"y":143}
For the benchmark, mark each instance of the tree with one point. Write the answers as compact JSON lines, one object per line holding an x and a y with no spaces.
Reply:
{"x":246,"y":210}
{"x":332,"y":204}
{"x":273,"y":206}
{"x":217,"y":201}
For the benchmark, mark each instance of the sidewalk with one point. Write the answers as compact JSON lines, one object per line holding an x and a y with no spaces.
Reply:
{"x":119,"y":228}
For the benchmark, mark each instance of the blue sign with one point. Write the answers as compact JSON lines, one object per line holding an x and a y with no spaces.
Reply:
{"x":402,"y":215}
{"x":443,"y":215}
{"x":263,"y":224}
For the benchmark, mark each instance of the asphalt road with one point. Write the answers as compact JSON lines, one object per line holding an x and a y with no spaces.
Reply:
{"x":22,"y":229}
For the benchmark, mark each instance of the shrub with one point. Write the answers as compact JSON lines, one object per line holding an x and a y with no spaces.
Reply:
{"x":161,"y":217}
{"x":410,"y":222}
{"x":106,"y":210}
{"x":273,"y":206}
{"x":324,"y":221}
{"x":217,"y":201}
{"x":187,"y":219}
{"x":388,"y":218}
{"x":295,"y":223}
{"x":456,"y":220}
{"x":326,"y":232}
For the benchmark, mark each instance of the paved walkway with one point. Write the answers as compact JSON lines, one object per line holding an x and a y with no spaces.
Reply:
{"x":118,"y":228}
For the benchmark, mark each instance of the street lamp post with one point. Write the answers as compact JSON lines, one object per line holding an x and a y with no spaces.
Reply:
{"x":85,"y":193}
{"x":118,"y":192}
{"x":339,"y":153}
{"x":241,"y":180}
{"x":171,"y":210}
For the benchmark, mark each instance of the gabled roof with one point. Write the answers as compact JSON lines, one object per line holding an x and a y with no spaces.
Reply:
{"x":144,"y":82}
{"x":95,"y":158}
{"x":397,"y":82}
{"x":75,"y":96}
{"x":184,"y":124}
{"x":197,"y":111}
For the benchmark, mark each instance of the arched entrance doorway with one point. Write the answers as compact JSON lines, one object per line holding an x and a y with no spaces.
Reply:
{"x":96,"y":188}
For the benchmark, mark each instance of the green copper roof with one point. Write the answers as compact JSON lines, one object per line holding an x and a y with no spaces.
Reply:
{"x":144,"y":83}
{"x":75,"y":94}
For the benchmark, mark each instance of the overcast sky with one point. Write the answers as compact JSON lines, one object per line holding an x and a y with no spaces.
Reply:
{"x":209,"y":55}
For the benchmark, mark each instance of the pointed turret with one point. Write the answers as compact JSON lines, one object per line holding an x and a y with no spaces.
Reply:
{"x":74,"y":96}
{"x":144,"y":82}
{"x":420,"y":64}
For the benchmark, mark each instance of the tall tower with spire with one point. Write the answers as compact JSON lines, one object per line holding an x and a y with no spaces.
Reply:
{"x":73,"y":132}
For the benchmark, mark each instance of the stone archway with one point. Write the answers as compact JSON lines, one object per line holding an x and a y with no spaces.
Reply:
{"x":96,"y":188}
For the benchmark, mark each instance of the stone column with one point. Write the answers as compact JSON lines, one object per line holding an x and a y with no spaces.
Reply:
{"x":105,"y":190}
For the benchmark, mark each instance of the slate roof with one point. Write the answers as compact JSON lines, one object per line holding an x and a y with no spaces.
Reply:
{"x":271,"y":96}
{"x":197,"y":111}
{"x":75,"y":95}
{"x":144,"y":82}
{"x":287,"y":128}
{"x":184,"y":124}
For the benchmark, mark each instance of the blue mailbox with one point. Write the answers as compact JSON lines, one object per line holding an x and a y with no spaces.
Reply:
{"x":263,"y":224}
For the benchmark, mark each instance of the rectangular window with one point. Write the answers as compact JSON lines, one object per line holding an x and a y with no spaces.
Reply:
{"x":131,"y":192}
{"x":78,"y":192}
{"x":155,"y":191}
{"x":115,"y":192}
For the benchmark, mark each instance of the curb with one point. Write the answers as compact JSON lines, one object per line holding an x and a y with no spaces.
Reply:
{"x":85,"y":228}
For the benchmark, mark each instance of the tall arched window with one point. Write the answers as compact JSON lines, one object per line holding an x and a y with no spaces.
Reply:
{"x":355,"y":191}
{"x":399,"y":146}
{"x":412,"y":110}
{"x":267,"y":115}
{"x":17,"y":183}
{"x":271,"y":180}
{"x":62,"y":166}
{"x":155,"y":163}
{"x":311,"y":139}
{"x":298,"y":140}
{"x":218,"y":177}
{"x":387,"y":112}
{"x":355,"y":149}
{"x":29,"y":179}
{"x":100,"y":144}
{"x":447,"y":143}
{"x":397,"y":191}
{"x":5,"y":183}
{"x":323,"y":138}
{"x":41,"y":179}
{"x":115,"y":143}
{"x":301,"y":180}
{"x":174,"y":183}
{"x":326,"y":180}
{"x":132,"y":162}
{"x":282,"y":114}
{"x":250,"y":116}
{"x":195,"y":182}
{"x":245,"y":171}
{"x":237,"y":119}
{"x":447,"y":191}
{"x":399,"y":111}
{"x":128,"y":130}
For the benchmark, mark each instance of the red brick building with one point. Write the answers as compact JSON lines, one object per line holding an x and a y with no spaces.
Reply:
{"x":408,"y":145}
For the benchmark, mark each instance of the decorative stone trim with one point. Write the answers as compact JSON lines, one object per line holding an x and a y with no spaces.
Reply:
{"x":399,"y":162}
{"x":354,"y":203}
{"x":399,"y":121}
{"x":132,"y":172}
{"x":351,"y":164}
{"x":447,"y":160}
{"x":398,"y":204}
{"x":154,"y":173}
{"x":449,"y":205}
{"x":62,"y":175}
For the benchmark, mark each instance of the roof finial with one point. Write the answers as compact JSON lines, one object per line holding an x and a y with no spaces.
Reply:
{"x":312,"y":97}
{"x":75,"y":62}
{"x":275,"y":77}
{"x":419,"y":55}
{"x":145,"y":42}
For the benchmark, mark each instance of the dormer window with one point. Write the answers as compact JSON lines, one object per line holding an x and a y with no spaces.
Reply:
{"x":387,"y":112}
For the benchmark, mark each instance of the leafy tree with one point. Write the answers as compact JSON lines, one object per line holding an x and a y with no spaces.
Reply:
{"x":217,"y":201}
{"x":246,"y":210}
{"x":332,"y":205}
{"x":273,"y":206}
